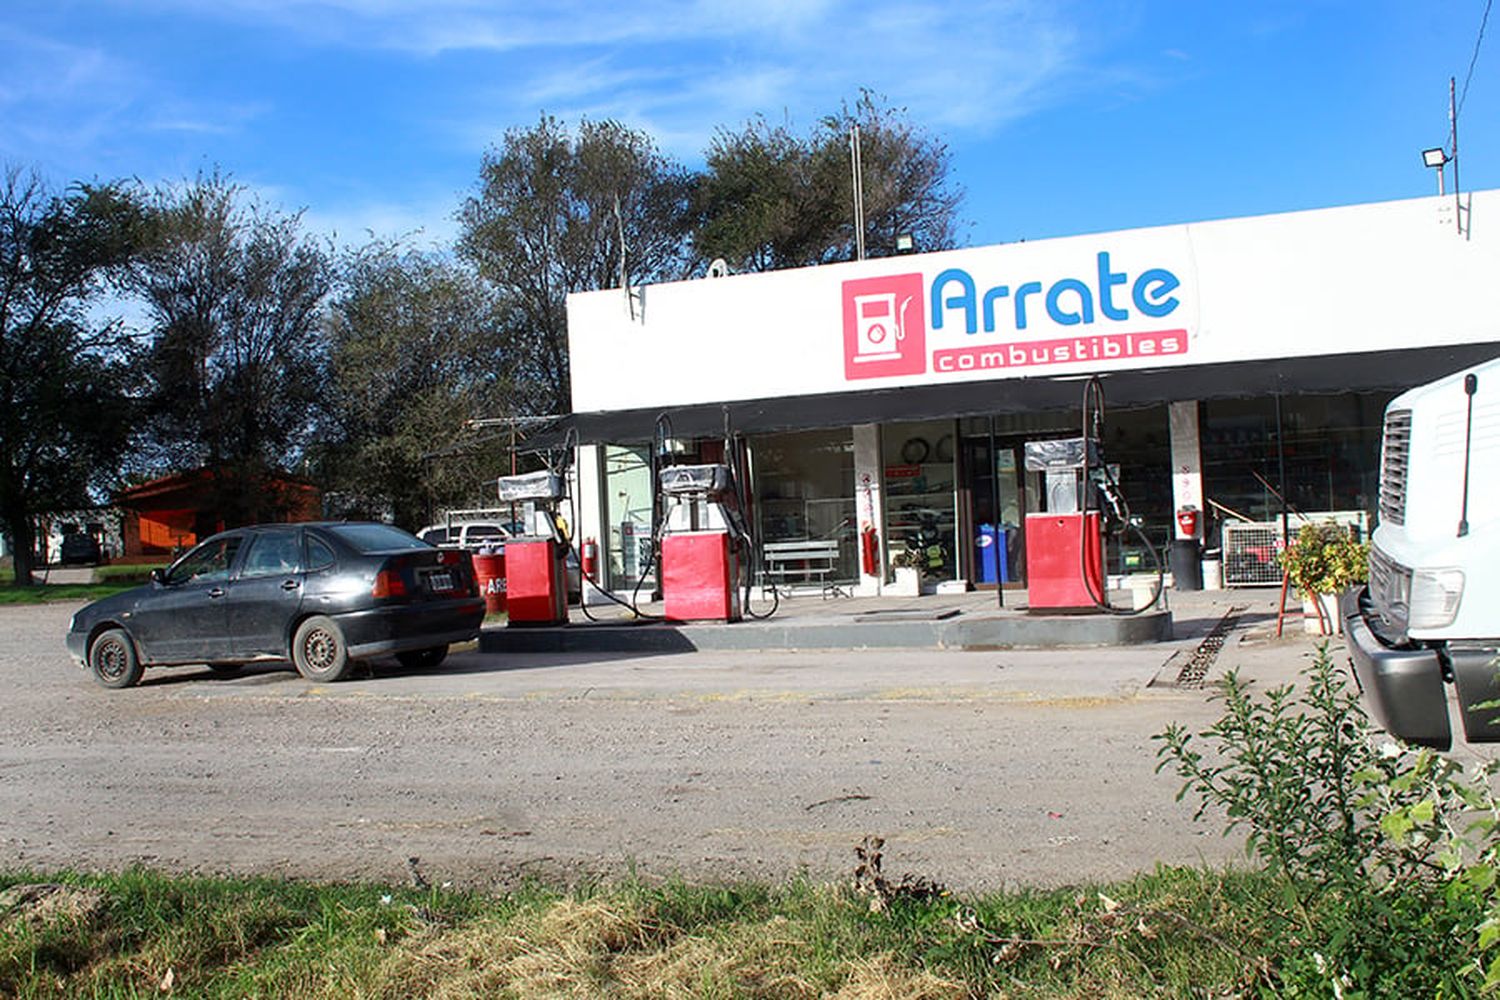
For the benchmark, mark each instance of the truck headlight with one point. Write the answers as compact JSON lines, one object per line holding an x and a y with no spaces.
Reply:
{"x":1435,"y":596}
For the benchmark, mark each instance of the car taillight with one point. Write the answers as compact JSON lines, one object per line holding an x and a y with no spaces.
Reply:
{"x":388,"y":583}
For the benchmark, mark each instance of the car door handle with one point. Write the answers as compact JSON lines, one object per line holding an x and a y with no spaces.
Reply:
{"x":216,"y":593}
{"x":290,"y":585}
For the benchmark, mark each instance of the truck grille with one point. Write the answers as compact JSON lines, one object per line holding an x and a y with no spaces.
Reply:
{"x":1390,"y":589}
{"x":1395,"y":453}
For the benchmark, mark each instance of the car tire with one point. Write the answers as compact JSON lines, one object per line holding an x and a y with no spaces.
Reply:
{"x":113,"y":661}
{"x":421,"y":659}
{"x":226,"y":669}
{"x":319,"y":650}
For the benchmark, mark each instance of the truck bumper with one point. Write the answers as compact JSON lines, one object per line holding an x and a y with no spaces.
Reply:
{"x":1405,"y":687}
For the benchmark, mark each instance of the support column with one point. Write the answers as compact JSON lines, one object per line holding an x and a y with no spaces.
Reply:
{"x":869,"y":505}
{"x":588,"y":492}
{"x":1187,"y":462}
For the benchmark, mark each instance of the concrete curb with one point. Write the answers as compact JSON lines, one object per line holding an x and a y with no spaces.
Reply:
{"x":956,"y":633}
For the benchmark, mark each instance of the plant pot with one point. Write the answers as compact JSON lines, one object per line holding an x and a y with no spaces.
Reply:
{"x":1329,"y":624}
{"x":908,"y":582}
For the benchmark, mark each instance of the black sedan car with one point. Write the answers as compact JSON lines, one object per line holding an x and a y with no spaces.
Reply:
{"x":320,"y":595}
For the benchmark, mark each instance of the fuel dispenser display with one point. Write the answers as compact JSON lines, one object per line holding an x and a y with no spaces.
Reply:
{"x":535,"y":563}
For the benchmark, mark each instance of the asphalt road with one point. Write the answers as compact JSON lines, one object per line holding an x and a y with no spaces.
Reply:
{"x":979,"y":769}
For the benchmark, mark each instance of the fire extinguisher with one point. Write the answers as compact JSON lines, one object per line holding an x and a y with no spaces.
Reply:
{"x":590,"y":559}
{"x":869,"y":550}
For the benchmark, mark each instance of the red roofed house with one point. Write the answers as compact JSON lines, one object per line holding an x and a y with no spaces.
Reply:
{"x":169,"y":514}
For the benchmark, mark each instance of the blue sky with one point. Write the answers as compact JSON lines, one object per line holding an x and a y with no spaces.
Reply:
{"x":1062,"y":117}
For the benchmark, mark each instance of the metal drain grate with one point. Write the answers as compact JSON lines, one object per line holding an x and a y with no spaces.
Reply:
{"x":1196,"y":668}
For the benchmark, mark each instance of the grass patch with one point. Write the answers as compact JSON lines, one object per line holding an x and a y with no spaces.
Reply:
{"x":44,"y":593}
{"x":1173,"y":933}
{"x":131,"y":573}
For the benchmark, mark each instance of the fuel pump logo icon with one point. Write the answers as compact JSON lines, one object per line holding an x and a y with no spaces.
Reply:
{"x":879,"y":333}
{"x":885,"y":327}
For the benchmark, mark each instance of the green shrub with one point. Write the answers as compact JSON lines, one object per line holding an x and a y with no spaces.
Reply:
{"x":1325,"y":559}
{"x":1379,"y":897}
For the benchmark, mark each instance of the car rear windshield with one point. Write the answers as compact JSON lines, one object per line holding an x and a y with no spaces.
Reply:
{"x":375,"y":537}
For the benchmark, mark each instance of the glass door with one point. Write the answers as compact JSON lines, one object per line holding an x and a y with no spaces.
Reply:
{"x":627,"y":541}
{"x":996,"y":497}
{"x":921,"y":518}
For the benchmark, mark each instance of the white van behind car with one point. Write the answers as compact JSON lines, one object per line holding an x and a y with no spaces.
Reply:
{"x":477,"y":530}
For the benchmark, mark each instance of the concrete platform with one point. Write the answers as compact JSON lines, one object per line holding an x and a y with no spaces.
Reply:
{"x":972,"y":621}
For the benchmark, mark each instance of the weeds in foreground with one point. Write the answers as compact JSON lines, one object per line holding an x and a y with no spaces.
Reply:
{"x":1174,"y":933}
{"x":1383,"y":858}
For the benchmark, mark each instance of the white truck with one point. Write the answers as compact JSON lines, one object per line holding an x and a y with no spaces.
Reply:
{"x":1429,"y":620}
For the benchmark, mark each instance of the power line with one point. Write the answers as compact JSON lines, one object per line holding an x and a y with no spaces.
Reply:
{"x":1475,"y":57}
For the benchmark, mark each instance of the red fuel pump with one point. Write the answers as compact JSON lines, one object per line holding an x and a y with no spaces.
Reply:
{"x":1065,"y":561}
{"x":702,"y":544}
{"x":1065,"y":545}
{"x":535,"y":568}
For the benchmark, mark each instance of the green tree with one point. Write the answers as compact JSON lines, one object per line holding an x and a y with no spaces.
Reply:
{"x":771,"y":198}
{"x":235,"y":296}
{"x":65,"y":403}
{"x":418,"y":347}
{"x":559,"y":212}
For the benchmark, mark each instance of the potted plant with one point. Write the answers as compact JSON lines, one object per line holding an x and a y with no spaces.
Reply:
{"x":1321,"y":562}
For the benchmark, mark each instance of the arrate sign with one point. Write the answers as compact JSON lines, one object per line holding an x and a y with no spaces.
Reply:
{"x":1110,"y":316}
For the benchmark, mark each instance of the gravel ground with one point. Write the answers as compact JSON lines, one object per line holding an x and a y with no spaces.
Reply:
{"x":979,"y":769}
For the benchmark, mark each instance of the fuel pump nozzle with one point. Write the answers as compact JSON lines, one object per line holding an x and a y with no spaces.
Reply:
{"x":1112,"y":507}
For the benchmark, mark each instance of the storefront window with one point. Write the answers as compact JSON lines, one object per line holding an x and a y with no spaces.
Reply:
{"x":627,"y":484}
{"x":920,"y":514}
{"x":805,"y":491}
{"x":1137,"y":447}
{"x":1330,"y":451}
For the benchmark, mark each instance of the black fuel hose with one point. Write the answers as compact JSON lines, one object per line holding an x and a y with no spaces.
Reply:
{"x":1093,"y":430}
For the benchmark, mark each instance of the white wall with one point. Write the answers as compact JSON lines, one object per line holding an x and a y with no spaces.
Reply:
{"x":1341,"y":280}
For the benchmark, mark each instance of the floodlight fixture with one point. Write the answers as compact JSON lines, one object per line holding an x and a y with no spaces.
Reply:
{"x":1437,"y":158}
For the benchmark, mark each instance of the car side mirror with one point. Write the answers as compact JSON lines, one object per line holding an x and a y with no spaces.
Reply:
{"x":158,"y":576}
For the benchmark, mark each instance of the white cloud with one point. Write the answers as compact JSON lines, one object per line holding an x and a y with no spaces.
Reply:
{"x":41,"y":77}
{"x":691,"y":66}
{"x":185,"y":116}
{"x":423,"y":220}
{"x":676,"y":70}
{"x":83,"y":109}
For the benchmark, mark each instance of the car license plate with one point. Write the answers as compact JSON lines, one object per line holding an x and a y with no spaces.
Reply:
{"x":440,"y":580}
